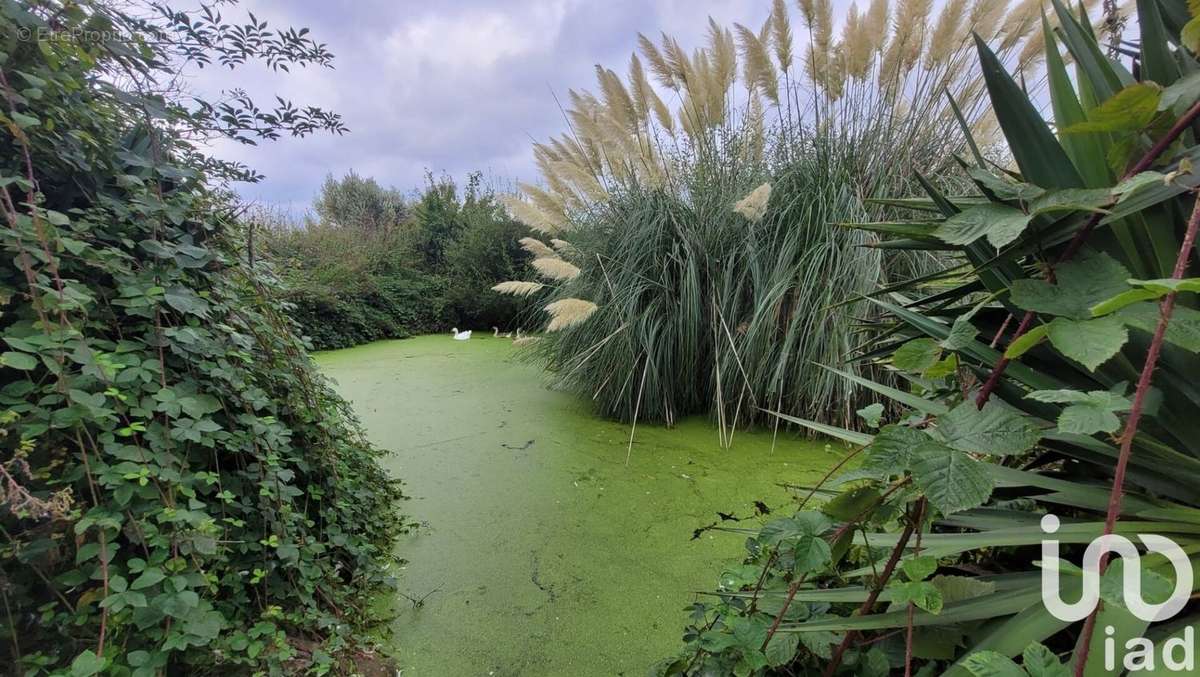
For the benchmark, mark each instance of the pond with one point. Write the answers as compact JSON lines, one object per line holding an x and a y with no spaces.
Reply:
{"x":541,"y":552}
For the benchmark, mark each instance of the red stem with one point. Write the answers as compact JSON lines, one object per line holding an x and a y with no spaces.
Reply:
{"x":870,"y":602}
{"x":1077,"y":242}
{"x":837,"y":536}
{"x":1135,"y":416}
{"x":908,"y":637}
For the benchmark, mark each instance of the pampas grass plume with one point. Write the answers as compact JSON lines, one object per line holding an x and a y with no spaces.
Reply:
{"x":536,"y":247}
{"x":947,"y":34}
{"x":566,"y":313}
{"x":754,"y":205}
{"x":554,"y":268}
{"x":518,"y":288}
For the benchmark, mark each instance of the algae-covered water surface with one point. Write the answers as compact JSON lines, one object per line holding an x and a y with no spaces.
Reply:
{"x":541,"y":552}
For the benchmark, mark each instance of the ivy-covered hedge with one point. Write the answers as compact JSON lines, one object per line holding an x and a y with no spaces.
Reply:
{"x":180,"y":491}
{"x":385,"y":308}
{"x":360,"y":272}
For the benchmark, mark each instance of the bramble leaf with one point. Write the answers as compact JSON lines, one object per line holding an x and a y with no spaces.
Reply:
{"x":951,"y":480}
{"x":871,"y":414}
{"x":1089,"y":342}
{"x":919,"y":568}
{"x":1088,"y":413}
{"x":1183,"y":329}
{"x":1082,"y":283}
{"x":1039,"y":661}
{"x":1129,"y":110}
{"x":891,"y":452}
{"x":917,"y":355}
{"x":1001,"y":225}
{"x":923,"y":594}
{"x":991,"y":664}
{"x":995,"y":429}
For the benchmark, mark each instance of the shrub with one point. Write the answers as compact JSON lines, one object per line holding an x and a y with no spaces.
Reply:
{"x":1054,"y":377}
{"x":180,"y":491}
{"x":352,"y":284}
{"x":485,"y":248}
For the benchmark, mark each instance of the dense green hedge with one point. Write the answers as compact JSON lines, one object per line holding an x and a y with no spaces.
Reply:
{"x":358,"y":275}
{"x":180,"y":491}
{"x":396,"y":306}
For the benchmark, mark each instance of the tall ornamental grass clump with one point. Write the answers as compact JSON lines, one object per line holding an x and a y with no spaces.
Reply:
{"x":695,"y":204}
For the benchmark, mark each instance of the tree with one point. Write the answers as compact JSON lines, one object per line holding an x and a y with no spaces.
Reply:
{"x":357,"y":202}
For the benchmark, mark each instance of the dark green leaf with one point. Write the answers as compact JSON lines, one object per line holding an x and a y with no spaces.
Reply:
{"x":17,"y":360}
{"x":782,"y":648}
{"x":1089,"y":342}
{"x":999,"y":223}
{"x":995,"y":429}
{"x":86,"y":664}
{"x":1042,"y":160}
{"x":811,"y":553}
{"x":1082,"y":283}
{"x":951,"y":480}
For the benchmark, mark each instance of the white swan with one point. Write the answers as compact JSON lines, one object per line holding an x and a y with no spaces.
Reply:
{"x":495,"y":331}
{"x":460,"y":335}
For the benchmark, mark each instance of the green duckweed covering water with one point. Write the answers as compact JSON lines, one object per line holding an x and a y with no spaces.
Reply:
{"x":542,"y":553}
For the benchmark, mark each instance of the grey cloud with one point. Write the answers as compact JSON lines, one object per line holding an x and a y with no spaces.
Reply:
{"x":448,"y":87}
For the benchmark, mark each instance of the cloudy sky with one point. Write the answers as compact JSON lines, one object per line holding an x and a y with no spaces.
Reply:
{"x":445,"y":86}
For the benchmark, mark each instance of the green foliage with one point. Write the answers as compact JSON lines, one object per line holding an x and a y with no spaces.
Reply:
{"x":347,"y":285}
{"x":354,"y":280}
{"x":708,"y":232}
{"x":730,"y":316}
{"x":180,"y":491}
{"x":960,"y":475}
{"x":361,"y":203}
{"x":480,"y":246}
